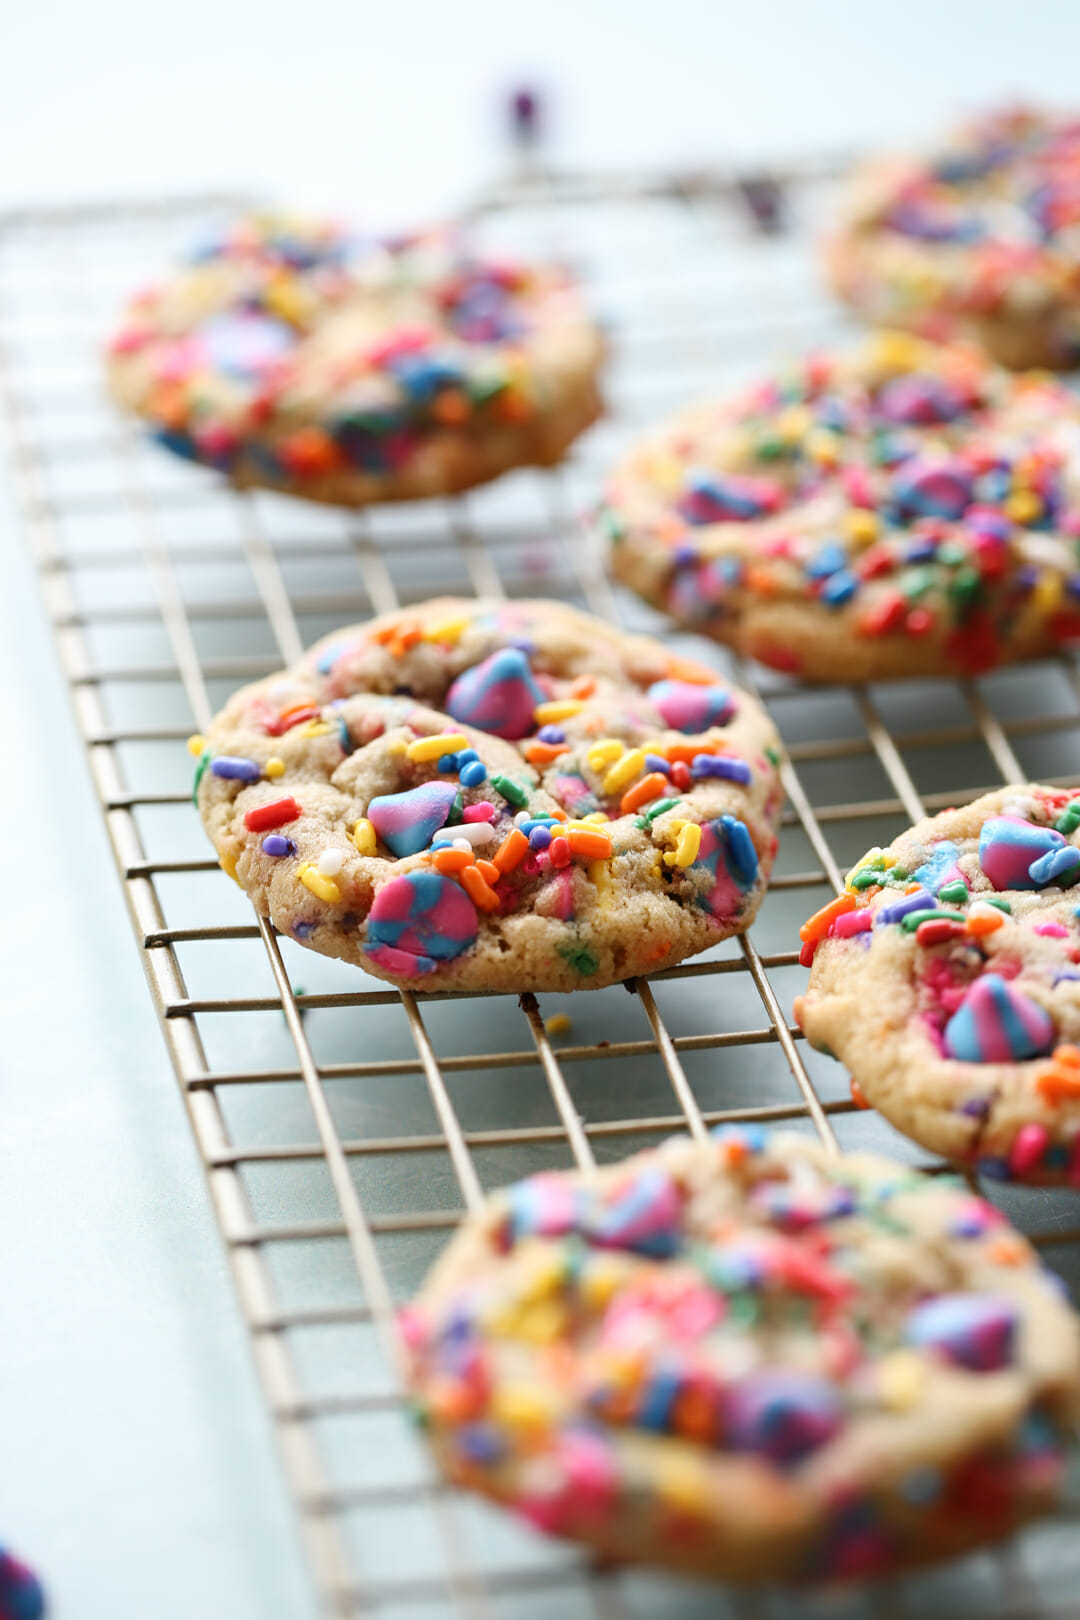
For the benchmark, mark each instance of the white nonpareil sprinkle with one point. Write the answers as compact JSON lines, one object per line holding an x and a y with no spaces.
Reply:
{"x":330,"y":862}
{"x":474,"y":833}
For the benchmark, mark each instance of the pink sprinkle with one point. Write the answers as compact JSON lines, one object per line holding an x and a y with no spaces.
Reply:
{"x":852,"y":922}
{"x":130,"y":339}
{"x":780,"y":546}
{"x":1029,"y":1145}
{"x":857,"y":486}
{"x":1052,"y":930}
{"x":405,"y":340}
{"x":484,"y":811}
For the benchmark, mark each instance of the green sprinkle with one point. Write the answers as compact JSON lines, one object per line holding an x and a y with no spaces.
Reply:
{"x":511,"y":792}
{"x":965,"y":587}
{"x":457,"y":812}
{"x":916,"y":582}
{"x":955,"y":894}
{"x":866,"y":877}
{"x":770,"y":449}
{"x":773,"y":755}
{"x":487,"y":386}
{"x":612,"y":525}
{"x":914,"y":918}
{"x":200,"y":772}
{"x":1069,"y":819}
{"x":952,"y":556}
{"x":994,"y":900}
{"x":658,"y":809}
{"x":580,"y":958}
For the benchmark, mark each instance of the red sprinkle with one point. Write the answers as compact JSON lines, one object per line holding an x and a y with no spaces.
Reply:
{"x":886,"y":615}
{"x":290,"y":718}
{"x":680,"y":776}
{"x":265,"y":816}
{"x":919,"y":622}
{"x":937,"y":930}
{"x":559,"y":851}
{"x":806,"y":955}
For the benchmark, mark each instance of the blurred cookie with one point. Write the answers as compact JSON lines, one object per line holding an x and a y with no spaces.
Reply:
{"x":903,"y":509}
{"x":291,"y":354}
{"x":749,"y":1359}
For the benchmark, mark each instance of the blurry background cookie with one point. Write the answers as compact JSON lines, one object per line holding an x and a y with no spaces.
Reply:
{"x":904,"y":509}
{"x":980,"y":238}
{"x":289,"y":353}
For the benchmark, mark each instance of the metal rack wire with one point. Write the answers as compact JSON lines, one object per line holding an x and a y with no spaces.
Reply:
{"x":345,"y":1128}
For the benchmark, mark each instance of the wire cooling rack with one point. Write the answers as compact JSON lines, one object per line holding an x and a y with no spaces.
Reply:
{"x":345,"y":1127}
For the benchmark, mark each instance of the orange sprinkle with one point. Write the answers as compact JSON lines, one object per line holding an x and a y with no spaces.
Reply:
{"x":512,"y":851}
{"x":480,"y":893}
{"x":1058,"y":1085}
{"x":1069,"y":1055}
{"x":583,"y":687}
{"x":513,"y":406}
{"x":817,"y":926}
{"x":688,"y":752}
{"x":858,"y":1096}
{"x":452,"y":860}
{"x":558,"y":813}
{"x":652,"y":786}
{"x":451,"y":407}
{"x":539,"y":753}
{"x":1008,"y":1250}
{"x":687,"y":669}
{"x":910,"y":888}
{"x":592,"y":846}
{"x":658,"y":951}
{"x":488,"y":871}
{"x":311,"y":451}
{"x":762,"y":580}
{"x":985,"y":925}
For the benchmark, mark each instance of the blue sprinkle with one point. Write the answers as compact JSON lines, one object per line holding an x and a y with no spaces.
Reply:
{"x":539,"y":838}
{"x":1054,"y":864}
{"x":275,"y":844}
{"x":236,"y":770}
{"x":840,"y":588}
{"x":551,"y":734}
{"x":829,"y":560}
{"x":654,"y":762}
{"x":530,"y":826}
{"x":744,"y":859}
{"x":921,"y":551}
{"x":448,"y":764}
{"x":995,"y":1169}
{"x":729,"y":770}
{"x":473,"y":773}
{"x":753,"y":1137}
{"x":466,"y":756}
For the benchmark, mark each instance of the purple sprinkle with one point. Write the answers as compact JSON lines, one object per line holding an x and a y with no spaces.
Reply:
{"x":731,"y":770}
{"x":238,"y":770}
{"x":303,"y":930}
{"x":539,"y":838}
{"x":656,"y":762}
{"x":976,"y":1107}
{"x":921,"y":900}
{"x":275,"y":844}
{"x":551,"y":734}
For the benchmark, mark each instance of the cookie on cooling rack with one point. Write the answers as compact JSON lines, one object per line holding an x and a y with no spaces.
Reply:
{"x":947,"y":979}
{"x":749,"y":1359}
{"x":903,"y":509}
{"x":286,"y":352}
{"x":979,"y":239}
{"x":480,"y":795}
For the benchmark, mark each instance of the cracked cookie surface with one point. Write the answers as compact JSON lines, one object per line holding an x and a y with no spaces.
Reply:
{"x":947,"y":979}
{"x":290,"y":353}
{"x":749,"y":1359}
{"x":481,"y":795}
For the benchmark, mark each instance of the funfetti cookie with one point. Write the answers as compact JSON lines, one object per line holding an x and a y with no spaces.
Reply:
{"x":477,"y":795}
{"x":947,"y":979}
{"x":289,"y":353}
{"x":748,"y":1359}
{"x":903,"y":509}
{"x":978,"y":239}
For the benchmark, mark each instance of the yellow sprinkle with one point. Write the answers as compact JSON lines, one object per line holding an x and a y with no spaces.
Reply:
{"x":793,"y":423}
{"x":599,"y":1282}
{"x":288,"y":298}
{"x":681,"y":1481}
{"x":274,"y":768}
{"x":447,"y":629}
{"x":522,"y":1406}
{"x":196,"y":743}
{"x":227,"y":862}
{"x":901,"y":1379}
{"x":623,"y":773}
{"x":363,"y":836}
{"x":595,"y":818}
{"x":605,"y":752}
{"x":1048,"y":593}
{"x":587,"y":824}
{"x":425,"y":748}
{"x":1023,"y":506}
{"x":396,"y":745}
{"x":686,"y":850}
{"x":895,"y":351}
{"x":823,"y":446}
{"x":862,"y":526}
{"x":599,"y":874}
{"x":323,"y":888}
{"x":557,"y":1024}
{"x":547,"y":714}
{"x":666,"y":472}
{"x":314,"y":728}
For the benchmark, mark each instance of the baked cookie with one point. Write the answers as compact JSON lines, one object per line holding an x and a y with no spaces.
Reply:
{"x":289,"y":353}
{"x":473,"y":795}
{"x":905,"y":509}
{"x":980,"y":239}
{"x":749,"y":1359}
{"x":946,"y":978}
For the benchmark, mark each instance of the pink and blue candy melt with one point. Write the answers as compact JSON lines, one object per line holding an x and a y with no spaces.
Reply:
{"x":417,"y":921}
{"x":21,"y":1594}
{"x":499,"y":695}
{"x":1014,"y":853}
{"x":407,"y":822}
{"x":690,"y":708}
{"x":996,"y":1023}
{"x":975,"y":1331}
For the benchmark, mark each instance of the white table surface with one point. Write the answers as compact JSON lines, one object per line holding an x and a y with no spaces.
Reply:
{"x":136,"y":1467}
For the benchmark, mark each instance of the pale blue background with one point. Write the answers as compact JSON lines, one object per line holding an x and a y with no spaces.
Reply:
{"x":136,"y":1468}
